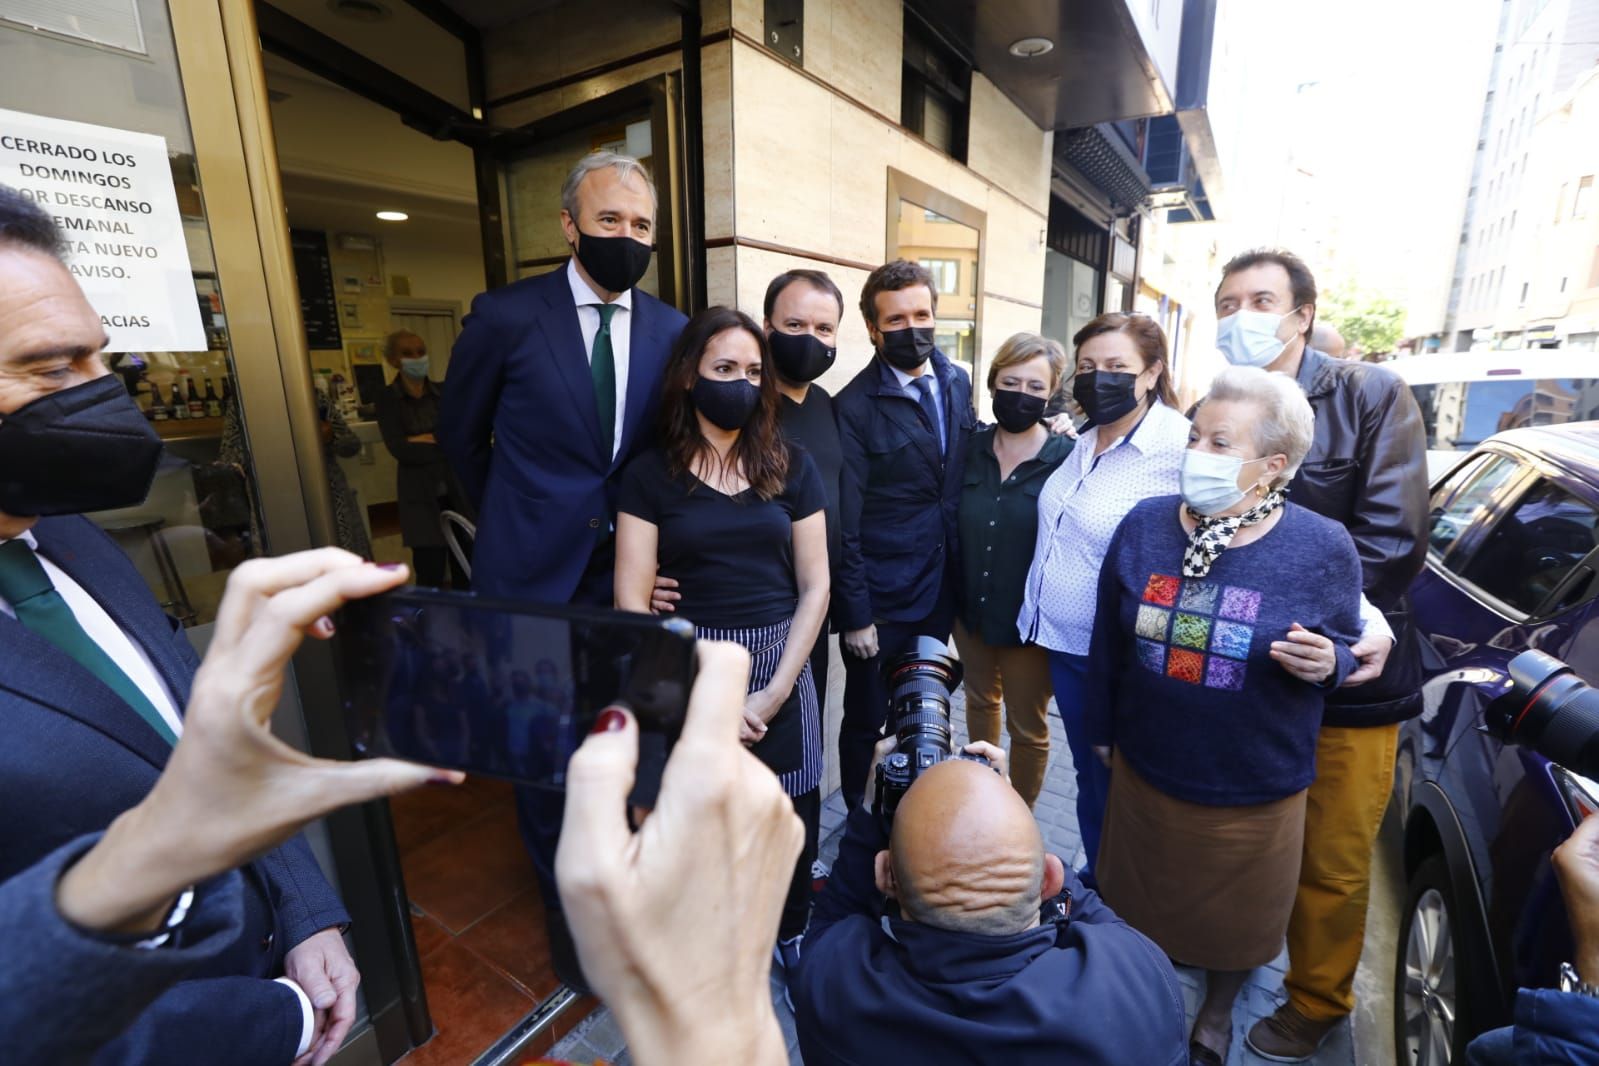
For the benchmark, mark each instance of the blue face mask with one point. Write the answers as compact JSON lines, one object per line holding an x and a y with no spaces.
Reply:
{"x":1249,"y":338}
{"x":1209,"y":481}
{"x":415,"y":369}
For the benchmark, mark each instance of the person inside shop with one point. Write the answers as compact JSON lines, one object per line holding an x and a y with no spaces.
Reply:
{"x":734,"y":512}
{"x":105,"y":925}
{"x":552,"y":388}
{"x":1225,"y":617}
{"x":903,"y":424}
{"x":993,"y":951}
{"x":1367,"y":471}
{"x":95,"y":675}
{"x":425,"y":487}
{"x":1007,"y":464}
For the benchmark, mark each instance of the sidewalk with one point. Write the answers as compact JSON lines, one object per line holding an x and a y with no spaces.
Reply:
{"x":599,"y":1038}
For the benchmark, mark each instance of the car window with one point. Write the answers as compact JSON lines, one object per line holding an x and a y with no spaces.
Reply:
{"x":1459,"y":415}
{"x":1534,"y":547}
{"x":1456,"y":501}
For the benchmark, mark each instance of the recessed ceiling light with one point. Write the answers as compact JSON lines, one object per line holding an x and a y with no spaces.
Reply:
{"x":1031,"y":47}
{"x":393,"y":216}
{"x":361,"y":10}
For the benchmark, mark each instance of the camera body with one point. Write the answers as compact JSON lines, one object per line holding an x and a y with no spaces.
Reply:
{"x":920,"y":683}
{"x":1546,"y":707}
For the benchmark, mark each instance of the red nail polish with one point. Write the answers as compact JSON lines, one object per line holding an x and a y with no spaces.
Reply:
{"x":611,"y":720}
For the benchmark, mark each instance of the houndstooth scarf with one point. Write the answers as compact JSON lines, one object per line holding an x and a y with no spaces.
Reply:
{"x":1211,"y":537}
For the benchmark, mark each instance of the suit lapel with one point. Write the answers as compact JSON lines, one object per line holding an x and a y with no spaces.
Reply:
{"x":564,"y":338}
{"x":93,"y":560}
{"x":38,"y":671}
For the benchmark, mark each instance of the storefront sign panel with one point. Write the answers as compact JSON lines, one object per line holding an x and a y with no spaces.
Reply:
{"x":111,"y":193}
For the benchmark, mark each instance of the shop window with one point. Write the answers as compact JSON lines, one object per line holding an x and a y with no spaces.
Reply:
{"x":935,"y":90}
{"x":1582,"y":202}
{"x":945,"y":236}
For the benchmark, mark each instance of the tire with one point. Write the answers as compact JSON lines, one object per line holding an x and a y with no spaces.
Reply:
{"x":1431,"y":998}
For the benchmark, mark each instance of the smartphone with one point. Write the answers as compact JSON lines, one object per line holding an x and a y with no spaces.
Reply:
{"x":504,"y":688}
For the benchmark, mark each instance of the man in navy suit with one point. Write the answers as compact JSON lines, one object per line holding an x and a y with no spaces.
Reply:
{"x":553,"y":386}
{"x":903,"y":423}
{"x":93,"y":673}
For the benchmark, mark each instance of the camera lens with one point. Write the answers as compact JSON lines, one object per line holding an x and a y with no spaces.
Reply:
{"x":920,"y":683}
{"x":1551,"y":710}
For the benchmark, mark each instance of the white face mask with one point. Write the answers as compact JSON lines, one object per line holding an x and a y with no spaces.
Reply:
{"x":1249,"y":338}
{"x":1209,"y":480}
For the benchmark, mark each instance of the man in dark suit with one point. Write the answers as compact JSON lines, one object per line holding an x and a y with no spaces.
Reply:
{"x":552,"y":388}
{"x":903,"y":423}
{"x":93,"y":673}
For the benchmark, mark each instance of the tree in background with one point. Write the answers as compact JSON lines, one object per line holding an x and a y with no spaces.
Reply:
{"x":1371,"y":324}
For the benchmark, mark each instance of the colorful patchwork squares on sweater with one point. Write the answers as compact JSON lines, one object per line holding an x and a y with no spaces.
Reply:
{"x":1208,"y":640}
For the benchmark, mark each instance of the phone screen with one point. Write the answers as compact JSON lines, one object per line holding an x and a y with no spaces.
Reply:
{"x":506,"y":689}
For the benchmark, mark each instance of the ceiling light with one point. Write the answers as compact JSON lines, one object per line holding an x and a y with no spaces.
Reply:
{"x":361,"y":10}
{"x":393,"y":216}
{"x":1031,"y":47}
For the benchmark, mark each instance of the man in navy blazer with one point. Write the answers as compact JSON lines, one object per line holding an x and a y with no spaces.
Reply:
{"x":903,"y":422}
{"x":84,"y":740}
{"x":536,"y":429}
{"x":553,"y":387}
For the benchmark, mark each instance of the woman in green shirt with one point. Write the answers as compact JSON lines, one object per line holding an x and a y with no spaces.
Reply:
{"x":1006,"y":466}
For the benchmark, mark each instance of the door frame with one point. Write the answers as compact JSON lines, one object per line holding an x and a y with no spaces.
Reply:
{"x":219,"y":60}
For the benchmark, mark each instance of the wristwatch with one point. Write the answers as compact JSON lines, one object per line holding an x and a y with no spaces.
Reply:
{"x":1571,"y":981}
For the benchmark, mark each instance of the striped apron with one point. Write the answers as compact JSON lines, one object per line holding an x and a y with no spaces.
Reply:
{"x":792,"y":746}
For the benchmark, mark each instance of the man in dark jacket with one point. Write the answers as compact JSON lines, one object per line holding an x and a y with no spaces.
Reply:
{"x":971,"y":970}
{"x":1367,"y":471}
{"x":903,"y":423}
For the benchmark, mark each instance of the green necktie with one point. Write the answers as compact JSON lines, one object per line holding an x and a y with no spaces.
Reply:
{"x":26,"y":586}
{"x":602,"y":364}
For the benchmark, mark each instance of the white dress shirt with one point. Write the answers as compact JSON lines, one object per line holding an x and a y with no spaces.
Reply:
{"x":123,"y":650}
{"x":1079,"y":508}
{"x":907,"y":385}
{"x":588,"y":319}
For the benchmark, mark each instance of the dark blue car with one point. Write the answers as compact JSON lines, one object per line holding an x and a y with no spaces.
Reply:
{"x":1510,"y":567}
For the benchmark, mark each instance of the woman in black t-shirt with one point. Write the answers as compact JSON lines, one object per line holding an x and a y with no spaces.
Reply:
{"x":734,"y":513}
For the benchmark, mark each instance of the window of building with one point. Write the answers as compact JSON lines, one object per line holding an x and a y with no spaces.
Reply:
{"x":1525,"y":286}
{"x":1580,"y":203}
{"x":946,"y":272}
{"x":1563,"y":283}
{"x":935,"y":90}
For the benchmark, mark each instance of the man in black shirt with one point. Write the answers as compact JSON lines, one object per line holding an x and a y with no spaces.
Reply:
{"x":803,"y":309}
{"x":903,"y":422}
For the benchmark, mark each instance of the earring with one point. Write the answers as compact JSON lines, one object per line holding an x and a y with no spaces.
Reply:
{"x":1262,"y":490}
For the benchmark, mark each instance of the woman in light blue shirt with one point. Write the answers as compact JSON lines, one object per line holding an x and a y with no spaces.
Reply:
{"x":1131,"y":451}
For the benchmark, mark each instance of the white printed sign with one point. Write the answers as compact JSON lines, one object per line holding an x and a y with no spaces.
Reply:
{"x":111,"y":193}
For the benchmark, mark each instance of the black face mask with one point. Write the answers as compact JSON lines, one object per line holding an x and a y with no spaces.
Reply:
{"x":87,"y":448}
{"x":908,"y":348}
{"x":800,"y":357}
{"x":728,"y":404}
{"x":1105,"y":394}
{"x":1017,"y":411}
{"x":615,"y":262}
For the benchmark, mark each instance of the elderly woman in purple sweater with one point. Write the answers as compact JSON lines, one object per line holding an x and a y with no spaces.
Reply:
{"x":1225,"y":616}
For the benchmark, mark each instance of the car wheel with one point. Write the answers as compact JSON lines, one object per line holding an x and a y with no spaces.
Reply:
{"x":1430,"y":1027}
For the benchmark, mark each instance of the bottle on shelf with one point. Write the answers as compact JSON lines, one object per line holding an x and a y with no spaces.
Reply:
{"x":180,"y":406}
{"x":158,"y":411}
{"x":213,"y":402}
{"x":227,"y":390}
{"x":196,"y":405}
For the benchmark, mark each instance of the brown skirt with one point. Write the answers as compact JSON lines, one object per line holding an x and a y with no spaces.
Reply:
{"x":1213,"y":886}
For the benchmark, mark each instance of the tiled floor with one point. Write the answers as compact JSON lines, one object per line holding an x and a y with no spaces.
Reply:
{"x":477,"y":917}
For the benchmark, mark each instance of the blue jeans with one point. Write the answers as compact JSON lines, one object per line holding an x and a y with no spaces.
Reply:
{"x":1067,"y":674}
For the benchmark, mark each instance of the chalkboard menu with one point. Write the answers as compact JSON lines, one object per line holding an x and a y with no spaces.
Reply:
{"x":319,"y":305}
